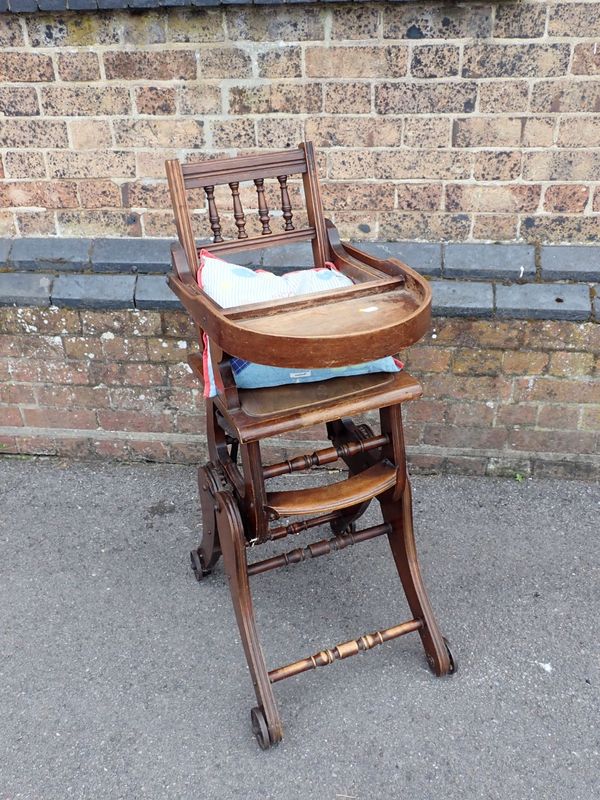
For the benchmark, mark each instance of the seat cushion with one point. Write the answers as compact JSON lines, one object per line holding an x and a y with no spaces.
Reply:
{"x":233,"y":285}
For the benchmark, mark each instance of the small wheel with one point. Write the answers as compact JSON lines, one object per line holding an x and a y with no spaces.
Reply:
{"x":198,"y":565}
{"x":453,"y":665}
{"x":259,"y":728}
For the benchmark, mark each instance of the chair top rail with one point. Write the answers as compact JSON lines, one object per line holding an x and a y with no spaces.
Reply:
{"x":244,"y":168}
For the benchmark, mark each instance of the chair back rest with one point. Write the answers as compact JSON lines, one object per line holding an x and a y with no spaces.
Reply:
{"x":207,"y":175}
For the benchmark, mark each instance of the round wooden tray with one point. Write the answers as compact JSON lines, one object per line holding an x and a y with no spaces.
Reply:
{"x":372,"y":319}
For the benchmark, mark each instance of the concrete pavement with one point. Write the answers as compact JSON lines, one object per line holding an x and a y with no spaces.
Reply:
{"x":121,"y":677}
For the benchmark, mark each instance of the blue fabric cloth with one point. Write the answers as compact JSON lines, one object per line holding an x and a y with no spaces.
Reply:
{"x":254,"y":376}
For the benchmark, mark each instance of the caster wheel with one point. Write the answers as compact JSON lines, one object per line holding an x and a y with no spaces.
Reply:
{"x":198,"y":565}
{"x":259,"y":728}
{"x":453,"y":666}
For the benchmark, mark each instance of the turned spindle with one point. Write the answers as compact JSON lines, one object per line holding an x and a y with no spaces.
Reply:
{"x":263,"y":208}
{"x":213,"y":214}
{"x":286,"y":205}
{"x":238,"y":211}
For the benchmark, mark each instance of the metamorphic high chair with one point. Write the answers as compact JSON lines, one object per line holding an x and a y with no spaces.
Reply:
{"x":386,"y":309}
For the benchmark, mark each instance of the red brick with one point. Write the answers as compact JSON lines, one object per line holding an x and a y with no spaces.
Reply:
{"x":167,"y":350}
{"x":476,"y":415}
{"x":135,"y":421}
{"x":37,"y":445}
{"x":492,"y":198}
{"x":51,"y":194}
{"x":426,"y":411}
{"x":148,"y":451}
{"x":67,"y":397}
{"x":553,"y":441}
{"x":559,"y":417}
{"x":556,"y":390}
{"x":151,"y":65}
{"x":578,"y":470}
{"x":32,"y":346}
{"x":19,"y":101}
{"x":523,"y":362}
{"x":17,"y":393}
{"x":99,"y":194}
{"x":360,"y":61}
{"x":10,"y":417}
{"x":567,"y":198}
{"x":486,"y":132}
{"x":78,"y":66}
{"x":28,"y":133}
{"x":84,"y":348}
{"x":127,"y":323}
{"x":155,"y":100}
{"x":518,"y":414}
{"x":427,"y":359}
{"x":25,"y":67}
{"x":571,"y":365}
{"x":60,"y":418}
{"x":11,"y":34}
{"x":515,"y":60}
{"x":464,"y":437}
{"x":29,"y":370}
{"x":63,"y":101}
{"x":225,"y":62}
{"x":458,"y":387}
{"x":590,"y":419}
{"x":586,"y":59}
{"x":8,"y":444}
{"x":477,"y":362}
{"x":418,"y":197}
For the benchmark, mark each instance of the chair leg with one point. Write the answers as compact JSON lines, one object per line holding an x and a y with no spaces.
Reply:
{"x":265,"y":718}
{"x":402,"y":543}
{"x":205,"y":557}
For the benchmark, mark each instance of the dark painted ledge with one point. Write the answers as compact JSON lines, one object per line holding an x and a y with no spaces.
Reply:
{"x":476,"y":280}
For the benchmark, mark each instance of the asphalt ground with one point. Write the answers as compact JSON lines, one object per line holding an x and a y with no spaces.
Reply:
{"x":121,"y":677}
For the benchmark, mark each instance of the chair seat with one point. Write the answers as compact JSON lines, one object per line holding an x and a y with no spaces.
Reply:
{"x":281,"y":409}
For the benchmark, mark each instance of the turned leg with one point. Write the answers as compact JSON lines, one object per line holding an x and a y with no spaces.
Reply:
{"x":396,"y":507}
{"x":265,"y":718}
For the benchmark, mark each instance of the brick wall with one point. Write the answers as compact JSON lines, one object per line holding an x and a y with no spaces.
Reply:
{"x":501,"y":397}
{"x":460,"y":121}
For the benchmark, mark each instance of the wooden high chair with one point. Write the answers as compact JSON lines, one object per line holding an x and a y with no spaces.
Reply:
{"x":387,"y":309}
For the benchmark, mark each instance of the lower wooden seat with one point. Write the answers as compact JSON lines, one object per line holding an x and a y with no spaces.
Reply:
{"x":333,"y":496}
{"x":280,"y":409}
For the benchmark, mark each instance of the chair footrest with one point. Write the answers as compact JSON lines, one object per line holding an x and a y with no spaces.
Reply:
{"x":335,"y":496}
{"x":344,"y":650}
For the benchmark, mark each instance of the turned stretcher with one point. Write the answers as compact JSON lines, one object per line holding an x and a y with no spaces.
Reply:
{"x":385,"y":310}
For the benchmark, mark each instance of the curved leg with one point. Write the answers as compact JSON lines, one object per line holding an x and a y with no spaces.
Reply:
{"x":402,"y":543}
{"x":205,"y":557}
{"x":231,"y":534}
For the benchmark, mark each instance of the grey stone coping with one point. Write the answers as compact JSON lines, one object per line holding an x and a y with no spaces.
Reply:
{"x":93,"y":291}
{"x":511,"y":261}
{"x":25,"y":289}
{"x":462,"y":299}
{"x":482,"y":299}
{"x":425,"y":257}
{"x":506,"y":261}
{"x":131,"y":255}
{"x":152,"y":292}
{"x":31,"y":6}
{"x":570,"y":262}
{"x":544,"y":301}
{"x":49,"y":253}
